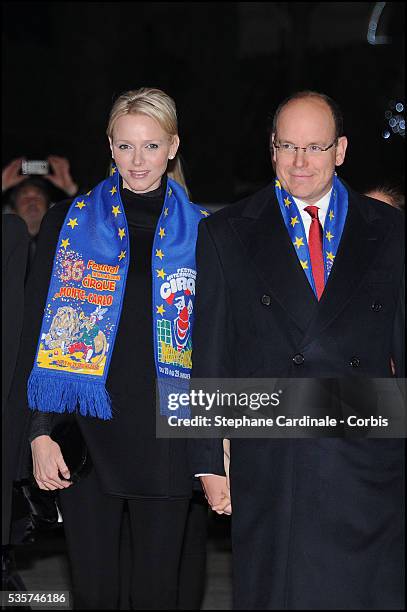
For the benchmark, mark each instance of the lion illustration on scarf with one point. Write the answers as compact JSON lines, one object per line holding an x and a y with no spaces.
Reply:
{"x":77,"y":333}
{"x":64,"y":330}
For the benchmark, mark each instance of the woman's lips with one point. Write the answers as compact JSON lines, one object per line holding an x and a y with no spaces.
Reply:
{"x":139,"y":175}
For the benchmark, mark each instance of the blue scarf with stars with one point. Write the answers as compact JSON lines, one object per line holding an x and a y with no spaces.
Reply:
{"x":333,"y":227}
{"x":85,"y":299}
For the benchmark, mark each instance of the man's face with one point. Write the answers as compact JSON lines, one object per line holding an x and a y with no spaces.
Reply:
{"x":304,"y":122}
{"x":31,"y":204}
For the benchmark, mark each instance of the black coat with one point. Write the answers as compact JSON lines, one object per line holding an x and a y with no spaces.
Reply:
{"x":317,"y":523}
{"x":129,"y":460}
{"x":14,"y":262}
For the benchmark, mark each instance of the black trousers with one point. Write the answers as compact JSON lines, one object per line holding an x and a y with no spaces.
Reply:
{"x":93,"y":530}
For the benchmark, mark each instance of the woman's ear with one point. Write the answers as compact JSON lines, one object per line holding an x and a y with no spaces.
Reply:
{"x":174,"y":147}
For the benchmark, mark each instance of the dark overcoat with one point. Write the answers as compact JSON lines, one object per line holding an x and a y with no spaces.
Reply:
{"x":316,"y":523}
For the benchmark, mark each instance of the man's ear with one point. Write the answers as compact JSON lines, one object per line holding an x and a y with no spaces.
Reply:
{"x":272,"y":149}
{"x":341,"y":150}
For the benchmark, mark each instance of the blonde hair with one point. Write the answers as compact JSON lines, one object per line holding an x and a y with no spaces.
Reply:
{"x":159,"y":106}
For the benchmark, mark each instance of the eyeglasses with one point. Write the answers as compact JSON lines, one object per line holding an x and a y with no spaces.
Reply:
{"x":312,"y":149}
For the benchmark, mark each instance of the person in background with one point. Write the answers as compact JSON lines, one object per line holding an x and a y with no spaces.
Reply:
{"x":112,"y":250}
{"x":393,"y":196}
{"x":30,"y":200}
{"x":60,"y":175}
{"x":388,"y":194}
{"x":15,"y":242}
{"x":29,"y":197}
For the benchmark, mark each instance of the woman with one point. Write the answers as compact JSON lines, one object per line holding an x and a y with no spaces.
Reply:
{"x":117,"y":266}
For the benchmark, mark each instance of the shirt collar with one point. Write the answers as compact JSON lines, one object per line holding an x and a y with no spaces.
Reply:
{"x":322,"y":204}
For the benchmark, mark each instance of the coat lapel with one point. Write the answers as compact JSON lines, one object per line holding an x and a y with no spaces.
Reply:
{"x":360,"y":244}
{"x":262,"y":231}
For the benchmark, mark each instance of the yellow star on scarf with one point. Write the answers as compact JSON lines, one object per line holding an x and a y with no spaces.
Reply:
{"x":294,"y":220}
{"x":165,"y":212}
{"x":159,"y":253}
{"x":304,"y":264}
{"x":162,"y":232}
{"x":331,"y":215}
{"x":160,"y":309}
{"x":65,"y":243}
{"x":116,"y":210}
{"x":329,"y":236}
{"x":89,"y":192}
{"x":161,"y":273}
{"x":169,"y":191}
{"x":330,"y":255}
{"x":80,"y":204}
{"x":122,"y":255}
{"x":278,"y":184}
{"x":73,"y":222}
{"x":287,"y":202}
{"x":298,"y":242}
{"x":204,"y":213}
{"x":122,"y":233}
{"x":113,"y":171}
{"x":113,"y":190}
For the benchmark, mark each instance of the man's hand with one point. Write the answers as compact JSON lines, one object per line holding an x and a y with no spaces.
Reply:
{"x":62,"y":177}
{"x":217,"y":493}
{"x":10,"y":176}
{"x":48,"y":463}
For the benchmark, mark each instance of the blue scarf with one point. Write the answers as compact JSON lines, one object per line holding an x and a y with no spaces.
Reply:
{"x":333,"y":227}
{"x":86,"y":292}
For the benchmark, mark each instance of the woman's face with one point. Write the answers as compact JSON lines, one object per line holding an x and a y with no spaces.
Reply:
{"x":141,"y":150}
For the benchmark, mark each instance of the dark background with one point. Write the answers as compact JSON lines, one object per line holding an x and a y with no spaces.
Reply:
{"x":227,"y":65}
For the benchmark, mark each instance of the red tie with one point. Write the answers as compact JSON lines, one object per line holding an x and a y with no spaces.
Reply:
{"x":315,"y":249}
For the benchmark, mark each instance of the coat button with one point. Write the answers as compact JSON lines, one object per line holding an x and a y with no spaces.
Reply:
{"x":355,"y":362}
{"x":298,"y":359}
{"x":266,"y":300}
{"x":376,"y":306}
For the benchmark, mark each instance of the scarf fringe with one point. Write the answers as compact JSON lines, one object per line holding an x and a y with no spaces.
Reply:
{"x":54,"y":394}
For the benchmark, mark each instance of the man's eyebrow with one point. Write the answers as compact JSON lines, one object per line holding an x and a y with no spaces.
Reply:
{"x":314,"y":142}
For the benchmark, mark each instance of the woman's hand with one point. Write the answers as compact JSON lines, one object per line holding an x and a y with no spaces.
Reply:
{"x":48,"y":464}
{"x":217,"y":493}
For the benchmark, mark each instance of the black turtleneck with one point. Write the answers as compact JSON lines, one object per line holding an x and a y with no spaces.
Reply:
{"x":143,"y":209}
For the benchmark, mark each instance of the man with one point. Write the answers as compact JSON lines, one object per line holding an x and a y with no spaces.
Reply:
{"x":30,"y":201}
{"x":30,"y":197}
{"x":303,"y":280}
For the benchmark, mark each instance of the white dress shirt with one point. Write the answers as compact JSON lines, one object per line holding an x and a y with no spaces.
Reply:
{"x":322,"y":204}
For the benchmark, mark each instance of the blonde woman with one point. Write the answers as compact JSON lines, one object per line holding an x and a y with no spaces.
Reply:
{"x":110,"y":257}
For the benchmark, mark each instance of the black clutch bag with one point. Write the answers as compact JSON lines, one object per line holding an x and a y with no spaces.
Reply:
{"x":73,"y":448}
{"x":40,"y":508}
